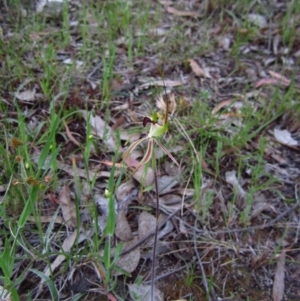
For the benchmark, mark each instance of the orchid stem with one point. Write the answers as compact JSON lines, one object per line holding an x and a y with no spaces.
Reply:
{"x":156,"y":228}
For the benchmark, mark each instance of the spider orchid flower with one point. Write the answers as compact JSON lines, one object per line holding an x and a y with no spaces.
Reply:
{"x":156,"y":130}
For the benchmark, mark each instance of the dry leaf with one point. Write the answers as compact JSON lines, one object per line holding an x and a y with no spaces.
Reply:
{"x":225,"y":42}
{"x":231,"y":178}
{"x":27,"y":95}
{"x":161,"y":83}
{"x":267,"y":81}
{"x":67,"y":206}
{"x":129,"y":261}
{"x":257,"y":19}
{"x":276,"y":80}
{"x":166,"y":183}
{"x":106,"y":134}
{"x":66,"y":247}
{"x":201,"y":72}
{"x":260,"y":204}
{"x":123,"y":107}
{"x":123,"y":230}
{"x":147,"y":224}
{"x":128,"y":136}
{"x":279,"y":159}
{"x":70,"y":61}
{"x":284,"y":80}
{"x":179,"y":13}
{"x":161,"y":104}
{"x":276,"y":41}
{"x":46,"y":219}
{"x":68,"y":169}
{"x":166,"y":2}
{"x":285,"y":137}
{"x":140,"y":175}
{"x":124,"y":190}
{"x":102,"y":204}
{"x":111,"y":297}
{"x":170,"y":199}
{"x":49,"y":6}
{"x":142,"y":292}
{"x":182,"y":228}
{"x":222,"y":104}
{"x":70,"y":135}
{"x":172,"y":169}
{"x":167,"y":229}
{"x":278,"y":286}
{"x":101,"y":129}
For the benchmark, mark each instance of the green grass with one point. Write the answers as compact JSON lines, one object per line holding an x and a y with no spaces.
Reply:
{"x":120,"y":37}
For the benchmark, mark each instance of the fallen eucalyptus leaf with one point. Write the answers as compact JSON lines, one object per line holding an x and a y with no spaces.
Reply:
{"x":285,"y":137}
{"x":278,"y":285}
{"x":123,"y":230}
{"x":68,"y":207}
{"x":27,"y":95}
{"x":147,"y":224}
{"x":129,"y":261}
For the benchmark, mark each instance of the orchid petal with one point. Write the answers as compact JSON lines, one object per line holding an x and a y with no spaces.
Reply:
{"x":132,"y":146}
{"x":167,"y":152}
{"x":147,"y":120}
{"x":147,"y":155}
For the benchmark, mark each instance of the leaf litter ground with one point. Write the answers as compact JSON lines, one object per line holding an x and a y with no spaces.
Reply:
{"x":229,"y":215}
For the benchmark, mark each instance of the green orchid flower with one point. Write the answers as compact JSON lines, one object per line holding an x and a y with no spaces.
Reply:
{"x":156,"y":131}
